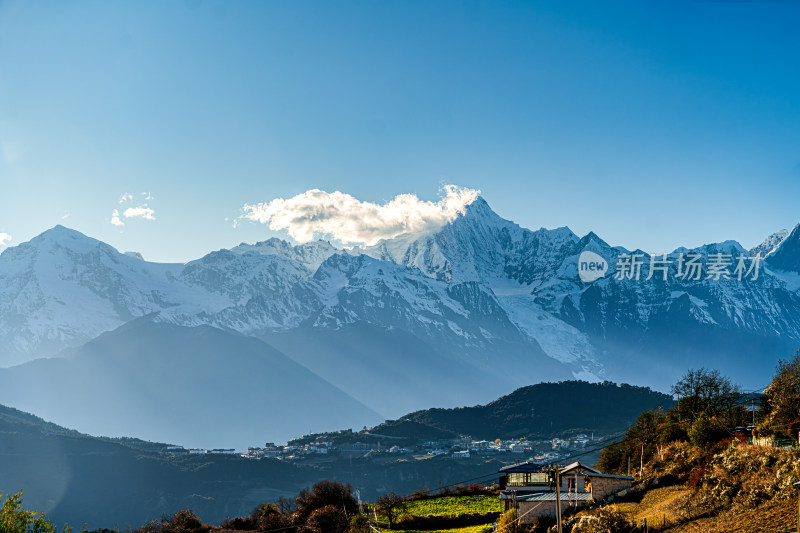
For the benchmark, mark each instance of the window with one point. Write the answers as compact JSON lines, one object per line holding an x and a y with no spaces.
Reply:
{"x":524,"y":479}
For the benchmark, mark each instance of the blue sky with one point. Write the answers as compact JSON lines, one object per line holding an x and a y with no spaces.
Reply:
{"x":653,"y":124}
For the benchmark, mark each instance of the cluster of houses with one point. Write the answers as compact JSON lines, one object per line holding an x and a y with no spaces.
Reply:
{"x":460,"y":448}
{"x":180,"y":450}
{"x":538,"y":490}
{"x":288,"y":452}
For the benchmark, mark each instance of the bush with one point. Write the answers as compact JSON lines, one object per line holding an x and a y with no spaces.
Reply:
{"x":15,"y":519}
{"x":322,"y":494}
{"x":696,"y":476}
{"x":328,"y":519}
{"x":705,"y":432}
{"x":359,"y":524}
{"x":238,"y":524}
{"x":607,"y":519}
{"x":671,"y":432}
{"x":185,"y":521}
{"x":509,"y":522}
{"x":268,"y":517}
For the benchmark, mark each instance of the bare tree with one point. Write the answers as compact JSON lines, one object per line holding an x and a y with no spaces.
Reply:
{"x":704,"y":392}
{"x":392,"y":506}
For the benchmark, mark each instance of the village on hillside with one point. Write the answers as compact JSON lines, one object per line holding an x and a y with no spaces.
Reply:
{"x":348,"y":444}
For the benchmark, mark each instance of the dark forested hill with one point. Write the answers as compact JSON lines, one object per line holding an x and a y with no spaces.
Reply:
{"x":123,"y":483}
{"x":542,"y":410}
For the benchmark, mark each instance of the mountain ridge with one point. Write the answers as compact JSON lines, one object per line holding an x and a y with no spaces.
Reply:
{"x":489,"y":296}
{"x":188,"y":385}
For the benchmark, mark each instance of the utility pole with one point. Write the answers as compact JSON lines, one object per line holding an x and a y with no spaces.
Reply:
{"x":641,"y":463}
{"x":558,"y":499}
{"x":629,"y":463}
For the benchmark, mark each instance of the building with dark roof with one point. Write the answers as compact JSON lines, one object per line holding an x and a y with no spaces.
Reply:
{"x":531,"y":488}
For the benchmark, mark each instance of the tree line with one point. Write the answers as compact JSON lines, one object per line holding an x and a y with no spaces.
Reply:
{"x":710,"y":408}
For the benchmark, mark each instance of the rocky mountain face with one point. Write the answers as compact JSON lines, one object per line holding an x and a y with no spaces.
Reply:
{"x":457,"y":316}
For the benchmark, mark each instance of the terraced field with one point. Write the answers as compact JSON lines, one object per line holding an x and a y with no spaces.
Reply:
{"x":456,"y":505}
{"x":452,"y":506}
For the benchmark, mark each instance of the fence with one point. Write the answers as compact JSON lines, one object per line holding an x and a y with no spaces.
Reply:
{"x":788,"y":444}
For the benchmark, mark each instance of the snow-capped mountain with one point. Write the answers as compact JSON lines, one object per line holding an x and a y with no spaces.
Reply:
{"x":62,"y":289}
{"x":785,"y":256}
{"x":481,"y":294}
{"x":770,"y":243}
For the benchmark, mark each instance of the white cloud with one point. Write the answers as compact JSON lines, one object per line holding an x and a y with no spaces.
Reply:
{"x":147,"y":196}
{"x":126,"y":197}
{"x":115,"y":220}
{"x":141,"y":211}
{"x":4,"y":239}
{"x":65,"y":216}
{"x":342,"y":217}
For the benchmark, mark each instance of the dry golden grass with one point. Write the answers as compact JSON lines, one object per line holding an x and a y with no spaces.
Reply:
{"x":658,"y":506}
{"x":775,"y":516}
{"x":662,"y":509}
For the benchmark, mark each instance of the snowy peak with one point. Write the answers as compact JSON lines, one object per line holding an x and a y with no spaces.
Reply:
{"x":479,"y":212}
{"x":310,"y":254}
{"x":770,"y":243}
{"x":481,"y":246}
{"x":61,"y":237}
{"x":786,"y":256}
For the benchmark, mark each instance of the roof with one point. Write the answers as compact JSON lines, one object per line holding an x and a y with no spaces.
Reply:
{"x":551,"y":497}
{"x":578,"y":466}
{"x":527,"y":466}
{"x":612,"y":476}
{"x":511,"y":494}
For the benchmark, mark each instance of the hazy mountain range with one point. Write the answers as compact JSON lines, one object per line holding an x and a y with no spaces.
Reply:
{"x":264,"y":334}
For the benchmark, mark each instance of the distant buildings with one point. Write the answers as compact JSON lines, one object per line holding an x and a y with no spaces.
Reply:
{"x":350,"y":444}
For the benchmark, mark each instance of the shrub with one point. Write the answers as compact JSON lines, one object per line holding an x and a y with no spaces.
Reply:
{"x":607,"y":519}
{"x":269,"y":516}
{"x":705,"y":431}
{"x":238,"y":524}
{"x":359,"y":524}
{"x":327,"y":519}
{"x":185,"y":521}
{"x":671,"y":432}
{"x":15,"y":519}
{"x":509,"y":522}
{"x":322,"y":494}
{"x":696,"y":476}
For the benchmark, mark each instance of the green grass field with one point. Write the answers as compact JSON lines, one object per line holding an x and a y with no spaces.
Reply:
{"x":451,"y":506}
{"x":456,"y":505}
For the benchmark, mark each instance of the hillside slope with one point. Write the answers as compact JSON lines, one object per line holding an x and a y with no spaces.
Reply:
{"x":198,"y":387}
{"x":544,"y":410}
